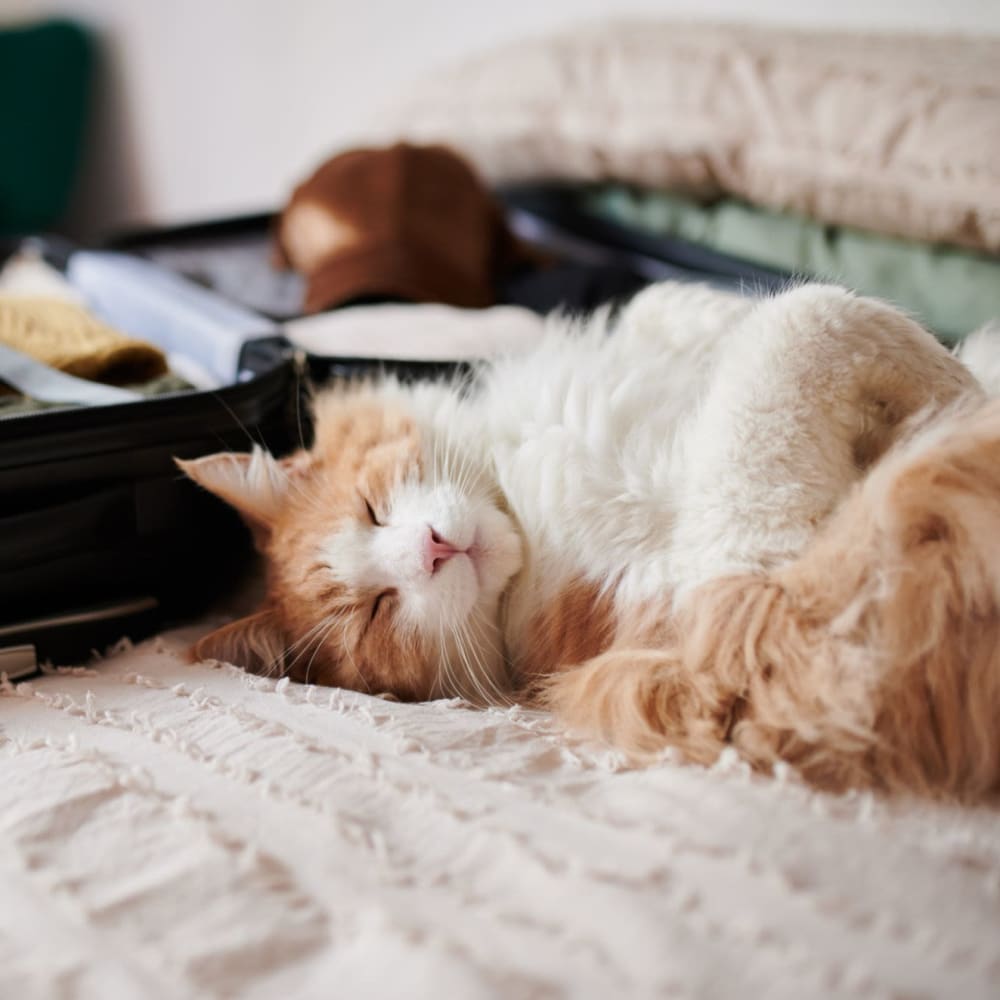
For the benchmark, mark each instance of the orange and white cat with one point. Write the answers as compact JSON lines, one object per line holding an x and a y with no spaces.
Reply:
{"x":766,"y":523}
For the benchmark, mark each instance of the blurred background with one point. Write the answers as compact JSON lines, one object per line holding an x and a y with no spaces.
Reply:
{"x":199,"y":109}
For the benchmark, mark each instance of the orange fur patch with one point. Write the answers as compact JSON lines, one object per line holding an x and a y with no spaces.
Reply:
{"x":871,"y":661}
{"x":578,"y":623}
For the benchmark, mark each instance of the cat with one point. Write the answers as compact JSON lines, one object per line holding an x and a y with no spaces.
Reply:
{"x":711,"y":521}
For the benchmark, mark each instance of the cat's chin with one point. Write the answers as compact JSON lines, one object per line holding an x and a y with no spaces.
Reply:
{"x":477,"y":671}
{"x":481,"y":578}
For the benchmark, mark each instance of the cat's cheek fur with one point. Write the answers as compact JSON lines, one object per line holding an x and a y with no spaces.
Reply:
{"x":501,"y":550}
{"x":576,"y":624}
{"x":255,"y":642}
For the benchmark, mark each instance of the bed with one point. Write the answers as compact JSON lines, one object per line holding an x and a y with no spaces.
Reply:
{"x":179,"y":830}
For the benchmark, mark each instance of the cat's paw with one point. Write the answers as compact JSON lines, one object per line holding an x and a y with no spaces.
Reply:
{"x":640,"y":701}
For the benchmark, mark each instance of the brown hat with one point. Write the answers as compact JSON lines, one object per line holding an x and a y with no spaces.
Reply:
{"x":405,"y":222}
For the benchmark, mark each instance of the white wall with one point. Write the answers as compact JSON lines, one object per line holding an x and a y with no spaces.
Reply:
{"x":210,"y":107}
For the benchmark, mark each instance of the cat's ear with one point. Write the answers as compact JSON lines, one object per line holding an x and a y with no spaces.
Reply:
{"x":256,"y":643}
{"x":255,"y":484}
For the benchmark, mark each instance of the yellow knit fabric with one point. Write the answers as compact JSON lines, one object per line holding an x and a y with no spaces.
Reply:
{"x":64,"y":335}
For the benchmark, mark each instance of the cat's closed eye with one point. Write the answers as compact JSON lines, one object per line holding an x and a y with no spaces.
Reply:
{"x":371,"y":512}
{"x":378,"y":603}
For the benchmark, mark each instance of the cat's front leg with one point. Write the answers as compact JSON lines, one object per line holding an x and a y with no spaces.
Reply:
{"x":733,"y":667}
{"x":809,"y":390}
{"x":642,"y":701}
{"x":742,"y":665}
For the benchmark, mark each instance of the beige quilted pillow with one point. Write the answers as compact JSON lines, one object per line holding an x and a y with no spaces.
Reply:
{"x":898,"y":134}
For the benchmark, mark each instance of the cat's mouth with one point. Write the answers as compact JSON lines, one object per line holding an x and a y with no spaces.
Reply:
{"x":474,"y":553}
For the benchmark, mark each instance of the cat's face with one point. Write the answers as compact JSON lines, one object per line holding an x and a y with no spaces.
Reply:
{"x":388,"y":555}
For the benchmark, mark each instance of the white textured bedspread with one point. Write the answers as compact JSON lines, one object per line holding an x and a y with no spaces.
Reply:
{"x":181,"y":831}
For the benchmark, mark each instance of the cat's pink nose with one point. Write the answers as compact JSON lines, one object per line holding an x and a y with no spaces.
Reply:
{"x":437,"y":551}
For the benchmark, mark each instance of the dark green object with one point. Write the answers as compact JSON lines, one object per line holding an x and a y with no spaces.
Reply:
{"x":45,"y":74}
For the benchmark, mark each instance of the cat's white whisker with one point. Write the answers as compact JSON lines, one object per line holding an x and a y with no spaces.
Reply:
{"x":484,"y":677}
{"x":477,"y":672}
{"x":467,"y":673}
{"x":482,"y":639}
{"x":304,"y":643}
{"x":320,"y":641}
{"x":468,"y":658}
{"x":449,"y":684}
{"x":348,"y":649}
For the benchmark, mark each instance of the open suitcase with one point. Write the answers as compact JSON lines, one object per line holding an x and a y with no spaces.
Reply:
{"x":100,"y":536}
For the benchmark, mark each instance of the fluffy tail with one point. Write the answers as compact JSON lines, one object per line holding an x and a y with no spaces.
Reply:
{"x":872,"y":661}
